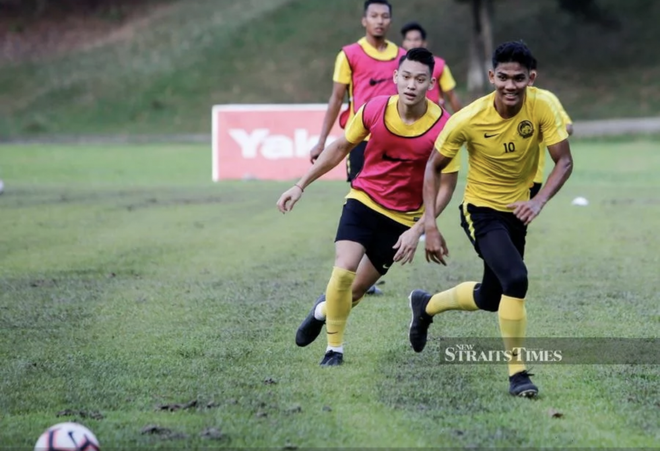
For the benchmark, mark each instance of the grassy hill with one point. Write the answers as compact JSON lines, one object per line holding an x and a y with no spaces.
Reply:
{"x":170,"y":68}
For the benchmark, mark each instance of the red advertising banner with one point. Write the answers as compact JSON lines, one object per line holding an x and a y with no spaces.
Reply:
{"x":268,"y":142}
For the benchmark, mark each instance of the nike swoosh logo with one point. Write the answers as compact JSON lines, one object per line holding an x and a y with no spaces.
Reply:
{"x":374,"y":82}
{"x":486,"y":135}
{"x":386,"y":157}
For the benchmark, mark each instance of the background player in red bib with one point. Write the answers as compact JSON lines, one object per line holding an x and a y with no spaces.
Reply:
{"x":414,"y":36}
{"x":363,"y":70}
{"x":380,"y":221}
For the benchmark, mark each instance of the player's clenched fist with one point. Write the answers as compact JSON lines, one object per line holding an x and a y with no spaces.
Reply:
{"x":289,"y":198}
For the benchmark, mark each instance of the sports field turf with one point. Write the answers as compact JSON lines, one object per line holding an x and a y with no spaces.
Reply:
{"x":129,"y":281}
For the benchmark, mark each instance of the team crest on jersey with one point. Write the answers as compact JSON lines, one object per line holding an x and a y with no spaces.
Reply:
{"x":526,"y":129}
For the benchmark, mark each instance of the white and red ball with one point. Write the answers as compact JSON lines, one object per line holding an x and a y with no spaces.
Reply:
{"x":67,"y":437}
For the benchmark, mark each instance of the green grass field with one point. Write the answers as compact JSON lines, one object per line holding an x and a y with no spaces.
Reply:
{"x":128,"y":281}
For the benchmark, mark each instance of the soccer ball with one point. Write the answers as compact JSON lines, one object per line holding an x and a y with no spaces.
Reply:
{"x":67,"y":437}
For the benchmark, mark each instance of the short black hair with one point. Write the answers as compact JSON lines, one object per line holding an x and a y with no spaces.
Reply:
{"x":514,"y":52}
{"x":534,"y":64}
{"x":376,"y":2}
{"x":421,"y":55}
{"x":413,"y":26}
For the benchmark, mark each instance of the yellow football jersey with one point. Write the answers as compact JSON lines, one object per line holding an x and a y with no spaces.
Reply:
{"x":540,"y":172}
{"x":503,"y":154}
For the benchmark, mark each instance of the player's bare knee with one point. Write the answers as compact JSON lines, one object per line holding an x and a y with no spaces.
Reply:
{"x":348,"y":255}
{"x":346,"y":263}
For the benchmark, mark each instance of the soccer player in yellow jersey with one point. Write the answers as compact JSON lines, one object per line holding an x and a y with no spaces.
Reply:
{"x":380,"y":221}
{"x":568,"y":123}
{"x":502,"y":132}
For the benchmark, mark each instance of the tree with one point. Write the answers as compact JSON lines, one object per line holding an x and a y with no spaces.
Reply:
{"x":481,"y":39}
{"x":481,"y":46}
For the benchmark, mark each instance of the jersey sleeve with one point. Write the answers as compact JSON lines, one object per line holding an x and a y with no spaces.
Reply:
{"x":552,"y":125}
{"x":452,"y":137}
{"x":342,"y":73}
{"x":356,"y":131}
{"x":446,"y":82}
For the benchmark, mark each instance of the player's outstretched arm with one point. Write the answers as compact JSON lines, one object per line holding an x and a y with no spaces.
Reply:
{"x":561,"y":155}
{"x":448,"y":183}
{"x":331,"y":157}
{"x":334,"y":105}
{"x":436,"y":248}
{"x":407,"y":243}
{"x":447,"y":187}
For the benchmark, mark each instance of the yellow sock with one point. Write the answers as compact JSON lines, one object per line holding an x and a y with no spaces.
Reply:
{"x":338,"y":297}
{"x":461,"y":297}
{"x":513,"y":322}
{"x":325,"y":313}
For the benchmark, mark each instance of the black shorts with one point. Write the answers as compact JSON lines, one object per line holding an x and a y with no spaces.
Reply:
{"x":478,"y":221}
{"x":355,"y":161}
{"x":534,"y":190}
{"x":376,"y":232}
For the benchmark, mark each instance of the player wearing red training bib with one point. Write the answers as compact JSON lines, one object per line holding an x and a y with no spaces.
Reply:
{"x":380,"y":221}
